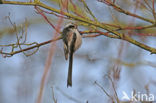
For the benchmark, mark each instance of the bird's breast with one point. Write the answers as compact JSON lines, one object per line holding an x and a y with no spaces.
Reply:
{"x":78,"y":41}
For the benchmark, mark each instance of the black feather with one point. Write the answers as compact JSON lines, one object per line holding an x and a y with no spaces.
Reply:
{"x":72,"y":46}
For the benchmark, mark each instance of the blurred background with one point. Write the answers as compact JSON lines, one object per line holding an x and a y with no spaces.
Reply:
{"x":114,"y":64}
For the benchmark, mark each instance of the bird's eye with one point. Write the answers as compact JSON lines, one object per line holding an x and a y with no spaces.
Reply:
{"x":71,"y":26}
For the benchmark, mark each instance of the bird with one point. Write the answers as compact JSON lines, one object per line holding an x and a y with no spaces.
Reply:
{"x":72,"y":41}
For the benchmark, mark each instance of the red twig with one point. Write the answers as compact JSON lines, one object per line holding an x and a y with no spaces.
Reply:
{"x":119,"y":9}
{"x":64,"y":4}
{"x":58,"y":15}
{"x":50,"y":54}
{"x":75,"y":10}
{"x":154,"y":14}
{"x":43,"y":15}
{"x":145,"y":34}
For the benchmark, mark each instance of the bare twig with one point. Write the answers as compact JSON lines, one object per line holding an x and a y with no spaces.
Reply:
{"x":90,"y":12}
{"x":153,"y":10}
{"x":32,"y":47}
{"x":53,"y":95}
{"x":96,"y":24}
{"x":41,"y":13}
{"x":49,"y":58}
{"x":68,"y":96}
{"x":104,"y":91}
{"x":117,"y":8}
{"x":116,"y":95}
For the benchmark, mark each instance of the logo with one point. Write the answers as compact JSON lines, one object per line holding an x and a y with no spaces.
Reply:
{"x":138,"y":97}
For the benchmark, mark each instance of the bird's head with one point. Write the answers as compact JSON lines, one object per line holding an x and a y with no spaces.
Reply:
{"x":71,"y":26}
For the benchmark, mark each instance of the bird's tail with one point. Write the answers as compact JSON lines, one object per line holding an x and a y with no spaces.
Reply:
{"x":72,"y":46}
{"x":69,"y":80}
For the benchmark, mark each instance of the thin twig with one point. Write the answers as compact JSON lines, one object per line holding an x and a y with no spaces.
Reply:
{"x":96,"y":24}
{"x":104,"y":91}
{"x":153,"y":9}
{"x":117,"y":8}
{"x":90,"y":12}
{"x":53,"y":95}
{"x":69,"y":96}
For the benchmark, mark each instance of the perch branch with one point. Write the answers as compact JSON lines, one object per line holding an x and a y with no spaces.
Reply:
{"x":94,"y":23}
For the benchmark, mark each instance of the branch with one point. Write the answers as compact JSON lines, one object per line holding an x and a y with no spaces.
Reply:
{"x":1,"y":2}
{"x":117,"y":8}
{"x":94,"y":23}
{"x":90,"y":12}
{"x":37,"y":45}
{"x":104,"y":91}
{"x":68,"y":96}
{"x":53,"y":96}
{"x":153,"y":11}
{"x":29,"y":48}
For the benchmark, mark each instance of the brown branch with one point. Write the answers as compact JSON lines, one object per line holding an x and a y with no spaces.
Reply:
{"x":53,"y":40}
{"x":1,"y":2}
{"x":153,"y":11}
{"x":117,"y":8}
{"x":146,"y":2}
{"x":107,"y":94}
{"x":49,"y":58}
{"x":90,"y":12}
{"x":113,"y":85}
{"x":32,"y":47}
{"x":95,"y":34}
{"x":40,"y":11}
{"x":53,"y":96}
{"x":68,"y":96}
{"x":96,"y":24}
{"x":134,"y":64}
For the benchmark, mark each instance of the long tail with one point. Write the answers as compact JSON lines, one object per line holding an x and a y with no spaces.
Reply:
{"x":69,"y":80}
{"x":72,"y":46}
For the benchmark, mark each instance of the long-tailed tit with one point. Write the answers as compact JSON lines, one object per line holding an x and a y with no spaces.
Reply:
{"x":72,"y":41}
